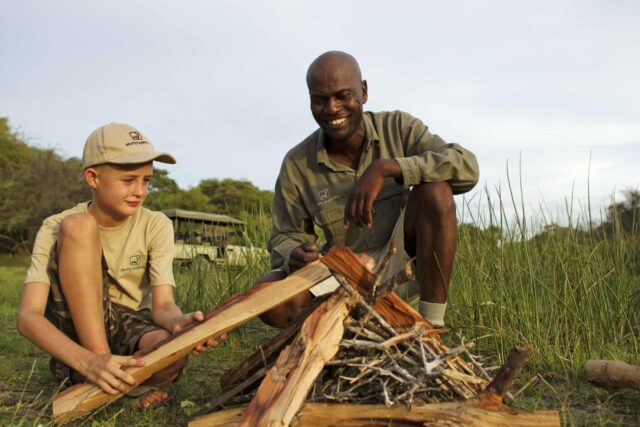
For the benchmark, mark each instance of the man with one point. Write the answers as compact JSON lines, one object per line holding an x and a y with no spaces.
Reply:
{"x":365,"y":178}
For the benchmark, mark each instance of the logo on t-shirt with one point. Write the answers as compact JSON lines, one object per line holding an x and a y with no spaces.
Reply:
{"x":324,"y":197}
{"x":135,"y":260}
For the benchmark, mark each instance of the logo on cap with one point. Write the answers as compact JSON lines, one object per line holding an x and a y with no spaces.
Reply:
{"x":136,"y":138}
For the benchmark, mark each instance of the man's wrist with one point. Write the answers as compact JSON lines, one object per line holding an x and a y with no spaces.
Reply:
{"x":389,"y":168}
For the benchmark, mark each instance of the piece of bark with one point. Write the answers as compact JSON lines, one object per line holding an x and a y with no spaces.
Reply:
{"x":613,"y":373}
{"x":81,"y":399}
{"x":398,"y":313}
{"x":349,"y":266}
{"x":286,"y":385}
{"x":468,"y":413}
{"x":509,"y":371}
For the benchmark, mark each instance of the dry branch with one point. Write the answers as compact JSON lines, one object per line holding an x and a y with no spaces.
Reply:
{"x":509,"y":371}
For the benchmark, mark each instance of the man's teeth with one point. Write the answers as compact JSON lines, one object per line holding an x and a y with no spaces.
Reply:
{"x":336,"y":122}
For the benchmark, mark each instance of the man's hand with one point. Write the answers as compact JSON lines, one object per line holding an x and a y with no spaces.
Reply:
{"x":183,"y":322}
{"x":107,"y":371}
{"x":302,"y":255}
{"x":359,"y":207}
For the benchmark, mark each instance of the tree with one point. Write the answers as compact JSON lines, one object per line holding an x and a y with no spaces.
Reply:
{"x":164,"y":193}
{"x":236,"y":196}
{"x":624,"y":216}
{"x":34,"y":183}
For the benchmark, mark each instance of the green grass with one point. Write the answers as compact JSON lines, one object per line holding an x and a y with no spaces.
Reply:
{"x":569,"y":292}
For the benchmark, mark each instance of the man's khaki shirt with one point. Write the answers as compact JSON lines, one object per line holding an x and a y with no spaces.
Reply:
{"x":313,"y":189}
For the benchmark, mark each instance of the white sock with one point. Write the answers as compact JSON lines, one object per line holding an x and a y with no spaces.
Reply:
{"x":433,"y":311}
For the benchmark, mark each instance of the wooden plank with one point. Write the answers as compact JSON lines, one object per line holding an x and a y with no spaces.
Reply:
{"x":468,"y":413}
{"x":286,"y":385}
{"x":81,"y":399}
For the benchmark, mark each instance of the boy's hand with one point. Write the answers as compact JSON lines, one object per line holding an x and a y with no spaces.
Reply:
{"x":107,"y":372}
{"x":183,"y":322}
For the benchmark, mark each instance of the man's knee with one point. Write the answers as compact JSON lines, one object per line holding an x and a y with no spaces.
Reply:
{"x":283,"y":314}
{"x":80,"y":226}
{"x":435,"y":199}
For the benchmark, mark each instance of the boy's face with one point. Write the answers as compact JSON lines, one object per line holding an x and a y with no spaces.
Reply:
{"x":119,"y":190}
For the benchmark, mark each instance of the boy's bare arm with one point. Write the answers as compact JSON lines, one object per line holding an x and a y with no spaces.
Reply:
{"x":104,"y":370}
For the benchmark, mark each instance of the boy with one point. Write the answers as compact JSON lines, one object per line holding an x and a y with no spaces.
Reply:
{"x":100,"y":284}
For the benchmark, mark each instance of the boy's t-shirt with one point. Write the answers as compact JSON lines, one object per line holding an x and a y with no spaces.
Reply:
{"x":139,"y":254}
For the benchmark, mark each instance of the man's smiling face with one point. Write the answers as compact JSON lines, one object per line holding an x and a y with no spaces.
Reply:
{"x":337,"y":96}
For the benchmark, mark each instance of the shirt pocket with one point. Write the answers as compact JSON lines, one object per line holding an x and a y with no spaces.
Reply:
{"x":331,"y":220}
{"x":386,"y":210}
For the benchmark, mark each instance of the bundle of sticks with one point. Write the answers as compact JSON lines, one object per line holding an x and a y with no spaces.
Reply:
{"x":377,"y":363}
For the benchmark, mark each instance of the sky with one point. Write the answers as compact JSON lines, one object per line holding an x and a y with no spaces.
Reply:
{"x":545,"y":93}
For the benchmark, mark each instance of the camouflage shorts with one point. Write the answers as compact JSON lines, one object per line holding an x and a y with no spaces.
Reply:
{"x":123,"y":326}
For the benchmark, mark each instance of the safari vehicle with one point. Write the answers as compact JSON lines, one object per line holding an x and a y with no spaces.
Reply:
{"x":207,"y":238}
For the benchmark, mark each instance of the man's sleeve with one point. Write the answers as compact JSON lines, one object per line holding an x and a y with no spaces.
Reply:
{"x":292,"y":224}
{"x":161,"y":250}
{"x":429,"y":159}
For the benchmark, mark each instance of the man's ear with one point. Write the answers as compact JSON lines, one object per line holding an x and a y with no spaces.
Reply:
{"x":91,"y":176}
{"x":365,"y":92}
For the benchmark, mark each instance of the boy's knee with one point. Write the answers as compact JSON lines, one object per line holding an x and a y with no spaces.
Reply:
{"x":169,"y":374}
{"x":80,"y":226}
{"x":150,"y":339}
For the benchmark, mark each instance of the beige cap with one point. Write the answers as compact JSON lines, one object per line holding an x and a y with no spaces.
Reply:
{"x":121,"y":145}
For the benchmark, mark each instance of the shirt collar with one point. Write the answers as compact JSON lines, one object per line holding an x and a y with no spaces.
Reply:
{"x":370,"y":139}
